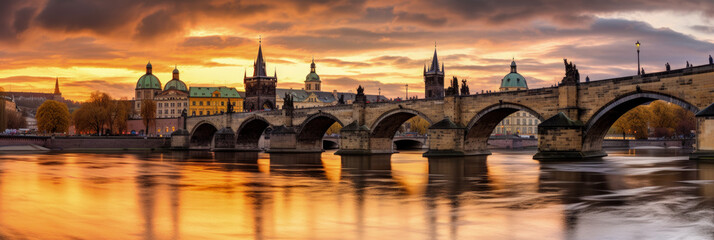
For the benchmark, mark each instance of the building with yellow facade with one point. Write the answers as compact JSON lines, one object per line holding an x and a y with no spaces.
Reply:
{"x":213,"y":100}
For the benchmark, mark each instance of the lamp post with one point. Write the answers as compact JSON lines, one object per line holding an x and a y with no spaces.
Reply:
{"x":639,"y":72}
{"x":407,"y":92}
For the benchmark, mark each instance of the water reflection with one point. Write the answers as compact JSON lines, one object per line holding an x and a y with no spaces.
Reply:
{"x":229,"y":195}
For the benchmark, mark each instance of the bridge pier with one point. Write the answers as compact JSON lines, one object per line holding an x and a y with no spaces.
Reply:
{"x":446,"y":138}
{"x":704,"y":149}
{"x":354,"y":140}
{"x":224,"y":140}
{"x":180,"y":139}
{"x":561,"y":139}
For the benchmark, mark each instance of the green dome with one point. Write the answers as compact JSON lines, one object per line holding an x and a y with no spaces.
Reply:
{"x":514,"y":80}
{"x":148,"y":81}
{"x":312,"y":77}
{"x":176,"y":84}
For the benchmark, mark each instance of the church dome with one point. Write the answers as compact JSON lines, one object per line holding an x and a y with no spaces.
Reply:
{"x":514,"y":80}
{"x":176,"y":84}
{"x":312,"y":77}
{"x":148,"y":81}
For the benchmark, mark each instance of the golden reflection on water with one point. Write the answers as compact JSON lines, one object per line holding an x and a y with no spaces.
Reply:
{"x":226,"y":195}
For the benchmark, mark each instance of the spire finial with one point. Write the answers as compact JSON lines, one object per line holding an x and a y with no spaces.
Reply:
{"x":260,"y":39}
{"x":434,"y":44}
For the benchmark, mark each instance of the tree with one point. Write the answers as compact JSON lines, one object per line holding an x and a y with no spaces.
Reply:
{"x":148,"y":113}
{"x":15,"y":120}
{"x":52,"y":117}
{"x":634,"y":122}
{"x":418,"y":124}
{"x":120,"y":111}
{"x":335,"y":128}
{"x":80,"y":119}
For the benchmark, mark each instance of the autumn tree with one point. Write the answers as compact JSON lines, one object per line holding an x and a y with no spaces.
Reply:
{"x":102,"y":113}
{"x":52,"y":117}
{"x":15,"y":120}
{"x":634,"y":122}
{"x":121,"y":109}
{"x":334,"y":128}
{"x":148,"y":113}
{"x":418,"y":124}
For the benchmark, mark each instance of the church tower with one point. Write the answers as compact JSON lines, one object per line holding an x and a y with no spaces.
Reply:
{"x":260,"y":88}
{"x":434,"y":79}
{"x":312,"y":80}
{"x":57,"y":95}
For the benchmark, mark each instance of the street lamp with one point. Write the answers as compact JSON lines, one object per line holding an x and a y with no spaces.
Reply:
{"x":639,"y":72}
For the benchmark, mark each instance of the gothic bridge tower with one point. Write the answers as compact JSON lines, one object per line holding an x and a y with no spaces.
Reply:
{"x":260,"y":88}
{"x":434,"y":79}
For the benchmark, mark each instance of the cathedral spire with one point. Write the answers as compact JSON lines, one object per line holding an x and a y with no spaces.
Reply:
{"x":434,"y":62}
{"x":259,"y":65}
{"x":57,"y":91}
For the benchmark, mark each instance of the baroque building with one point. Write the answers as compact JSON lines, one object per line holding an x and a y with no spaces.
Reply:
{"x":213,"y":100}
{"x":434,"y":79}
{"x":312,"y":96}
{"x":521,"y":122}
{"x":260,"y":88}
{"x":147,"y":87}
{"x":173,"y":99}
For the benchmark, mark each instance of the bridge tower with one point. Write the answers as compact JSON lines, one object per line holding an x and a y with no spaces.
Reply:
{"x":260,"y":88}
{"x":434,"y":79}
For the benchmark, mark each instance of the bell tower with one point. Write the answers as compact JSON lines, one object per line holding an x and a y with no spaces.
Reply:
{"x":434,"y":79}
{"x":260,"y":88}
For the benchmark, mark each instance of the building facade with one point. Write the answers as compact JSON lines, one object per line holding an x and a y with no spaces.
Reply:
{"x":259,"y":89}
{"x":518,"y":123}
{"x":213,"y":100}
{"x":434,"y":79}
{"x":174,"y":99}
{"x":147,"y":87}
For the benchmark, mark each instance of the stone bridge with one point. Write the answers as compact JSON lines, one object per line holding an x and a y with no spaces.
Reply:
{"x":575,"y":118}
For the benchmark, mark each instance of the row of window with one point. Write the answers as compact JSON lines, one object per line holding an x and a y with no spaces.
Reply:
{"x":208,"y":103}
{"x":528,"y":130}
{"x":518,"y":122}
{"x":193,"y":113}
{"x":172,"y":105}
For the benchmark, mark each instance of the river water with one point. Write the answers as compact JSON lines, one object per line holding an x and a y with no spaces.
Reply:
{"x":636,"y":194}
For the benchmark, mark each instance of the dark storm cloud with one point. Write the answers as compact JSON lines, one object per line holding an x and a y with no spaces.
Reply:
{"x":218,"y":42}
{"x":15,"y":17}
{"x":161,"y":23}
{"x":704,"y":29}
{"x":500,"y":11}
{"x":96,"y":16}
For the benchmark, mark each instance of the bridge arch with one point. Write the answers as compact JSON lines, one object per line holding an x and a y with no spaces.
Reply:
{"x":202,"y":135}
{"x":249,"y":133}
{"x":485,"y":121}
{"x":408,"y":144}
{"x":597,"y":126}
{"x":311,"y":131}
{"x":389,"y":122}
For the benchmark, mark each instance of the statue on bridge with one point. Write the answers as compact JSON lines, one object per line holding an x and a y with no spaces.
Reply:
{"x":341,"y":100}
{"x":572,"y":76}
{"x":464,"y":88}
{"x":667,"y":67}
{"x":288,"y":105}
{"x":453,"y":90}
{"x":229,"y":107}
{"x":360,"y":97}
{"x":184,"y":114}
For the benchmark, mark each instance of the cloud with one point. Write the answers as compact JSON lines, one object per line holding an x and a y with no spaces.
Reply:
{"x":265,"y":26}
{"x":420,"y":18}
{"x":342,"y":63}
{"x":215,"y":41}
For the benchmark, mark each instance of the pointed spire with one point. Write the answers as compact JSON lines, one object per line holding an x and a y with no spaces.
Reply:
{"x":442,"y":67}
{"x":434,"y":62}
{"x":275,"y":72}
{"x":259,"y":64}
{"x":57,"y":91}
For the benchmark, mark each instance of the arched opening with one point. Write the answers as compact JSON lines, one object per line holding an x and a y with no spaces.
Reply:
{"x":314,"y":129}
{"x":600,"y":124}
{"x":503,"y":120}
{"x":393,"y":122}
{"x":202,"y":136}
{"x":329,"y":144}
{"x":267,"y":105}
{"x":408,"y":144}
{"x":250,"y":133}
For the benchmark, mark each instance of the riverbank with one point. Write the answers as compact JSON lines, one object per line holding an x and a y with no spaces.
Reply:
{"x":88,"y":143}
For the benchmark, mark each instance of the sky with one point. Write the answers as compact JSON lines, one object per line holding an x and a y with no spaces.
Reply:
{"x":383,"y":45}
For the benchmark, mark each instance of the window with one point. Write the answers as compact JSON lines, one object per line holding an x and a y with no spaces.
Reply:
{"x":530,"y":121}
{"x":200,"y":112}
{"x":223,"y":103}
{"x":208,"y":103}
{"x":159,"y":104}
{"x":200,"y":103}
{"x":193,"y":113}
{"x":518,"y":121}
{"x":172,"y":111}
{"x":185,"y":104}
{"x":208,"y":112}
{"x":173,"y":105}
{"x":193,"y":103}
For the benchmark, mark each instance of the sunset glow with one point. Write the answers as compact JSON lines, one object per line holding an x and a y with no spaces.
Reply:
{"x":104,"y":45}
